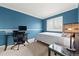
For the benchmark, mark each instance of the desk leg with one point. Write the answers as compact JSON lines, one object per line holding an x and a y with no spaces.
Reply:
{"x":55,"y":53}
{"x":49,"y":52}
{"x":5,"y":42}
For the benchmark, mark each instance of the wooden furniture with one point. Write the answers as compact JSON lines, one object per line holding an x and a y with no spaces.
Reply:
{"x":75,"y":28}
{"x":72,"y":29}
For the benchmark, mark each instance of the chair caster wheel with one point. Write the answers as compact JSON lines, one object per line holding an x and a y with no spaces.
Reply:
{"x":11,"y":48}
{"x":17,"y":49}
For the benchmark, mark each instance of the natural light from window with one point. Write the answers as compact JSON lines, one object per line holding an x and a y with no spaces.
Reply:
{"x":55,"y":24}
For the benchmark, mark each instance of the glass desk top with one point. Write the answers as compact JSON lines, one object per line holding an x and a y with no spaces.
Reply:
{"x":59,"y":49}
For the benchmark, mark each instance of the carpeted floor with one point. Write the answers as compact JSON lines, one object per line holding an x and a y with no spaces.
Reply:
{"x":31,"y":49}
{"x":38,"y":49}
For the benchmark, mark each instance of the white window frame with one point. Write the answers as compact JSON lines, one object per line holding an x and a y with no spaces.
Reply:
{"x":55,"y":24}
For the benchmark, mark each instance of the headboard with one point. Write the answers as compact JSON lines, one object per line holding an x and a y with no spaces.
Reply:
{"x":75,"y":28}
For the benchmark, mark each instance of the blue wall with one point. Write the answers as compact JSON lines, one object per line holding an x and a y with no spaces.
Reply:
{"x":78,"y":13}
{"x":68,"y":17}
{"x":10,"y":19}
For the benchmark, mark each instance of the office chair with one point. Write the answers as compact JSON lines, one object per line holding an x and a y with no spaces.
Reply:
{"x":18,"y":38}
{"x":24,"y":29}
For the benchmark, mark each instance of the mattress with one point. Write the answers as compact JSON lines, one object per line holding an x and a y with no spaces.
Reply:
{"x":50,"y":38}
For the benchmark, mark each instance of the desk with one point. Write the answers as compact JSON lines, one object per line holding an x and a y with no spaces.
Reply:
{"x":60,"y":50}
{"x":6,"y":39}
{"x":6,"y":35}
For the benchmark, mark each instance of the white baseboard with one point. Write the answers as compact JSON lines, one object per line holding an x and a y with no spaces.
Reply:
{"x":31,"y":40}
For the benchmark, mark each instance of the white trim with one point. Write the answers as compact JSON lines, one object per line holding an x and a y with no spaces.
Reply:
{"x":33,"y":29}
{"x":22,"y":12}
{"x":31,"y":40}
{"x":7,"y":30}
{"x":10,"y":30}
{"x":37,"y":15}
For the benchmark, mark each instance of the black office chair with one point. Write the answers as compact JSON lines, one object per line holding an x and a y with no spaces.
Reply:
{"x":18,"y":38}
{"x":24,"y":29}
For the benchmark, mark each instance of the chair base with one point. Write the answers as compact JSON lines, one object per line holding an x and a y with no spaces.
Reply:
{"x":16,"y":45}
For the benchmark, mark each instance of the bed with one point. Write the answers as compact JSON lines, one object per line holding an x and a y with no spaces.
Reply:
{"x":49,"y":38}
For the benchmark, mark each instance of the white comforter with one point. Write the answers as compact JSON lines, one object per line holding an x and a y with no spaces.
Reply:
{"x":50,"y":38}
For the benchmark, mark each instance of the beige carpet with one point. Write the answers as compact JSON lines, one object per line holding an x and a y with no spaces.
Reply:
{"x":31,"y":49}
{"x":38,"y":49}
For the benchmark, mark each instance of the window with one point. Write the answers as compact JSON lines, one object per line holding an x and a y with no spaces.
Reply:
{"x":55,"y":24}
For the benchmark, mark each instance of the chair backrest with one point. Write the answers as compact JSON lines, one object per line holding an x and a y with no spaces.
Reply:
{"x":18,"y":37}
{"x":15,"y":36}
{"x":15,"y":33}
{"x":22,"y":28}
{"x":20,"y":34}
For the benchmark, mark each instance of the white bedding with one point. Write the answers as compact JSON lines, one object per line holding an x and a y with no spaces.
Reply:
{"x":50,"y":38}
{"x":51,"y":34}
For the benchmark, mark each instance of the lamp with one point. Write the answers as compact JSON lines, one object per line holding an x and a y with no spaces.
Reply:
{"x":72,"y":35}
{"x":72,"y":29}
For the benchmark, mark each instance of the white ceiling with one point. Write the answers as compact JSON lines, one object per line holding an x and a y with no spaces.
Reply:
{"x":40,"y":10}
